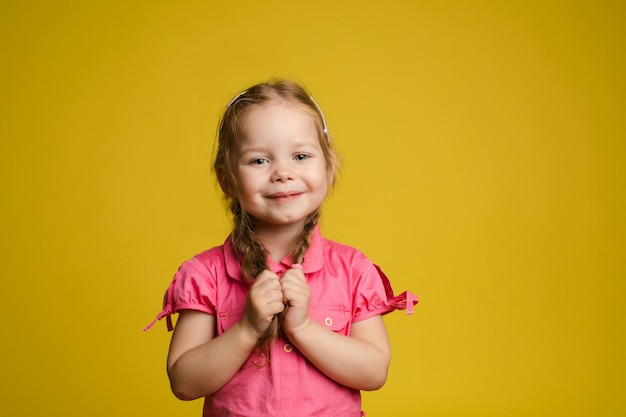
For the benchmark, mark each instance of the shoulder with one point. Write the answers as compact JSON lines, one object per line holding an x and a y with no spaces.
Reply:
{"x":345,"y":260}
{"x":219,"y":261}
{"x":336,"y":250}
{"x":208,"y":263}
{"x":209,"y":256}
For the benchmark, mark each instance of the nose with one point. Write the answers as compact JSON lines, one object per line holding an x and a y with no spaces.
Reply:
{"x":282,"y":172}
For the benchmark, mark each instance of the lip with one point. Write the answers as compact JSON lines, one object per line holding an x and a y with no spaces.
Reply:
{"x":285,"y":196}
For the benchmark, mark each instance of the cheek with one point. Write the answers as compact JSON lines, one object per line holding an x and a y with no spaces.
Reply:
{"x":323,"y":186}
{"x":247,"y":182}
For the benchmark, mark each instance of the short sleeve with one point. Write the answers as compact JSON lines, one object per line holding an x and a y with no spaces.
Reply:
{"x":373,"y":294}
{"x":191,"y":289}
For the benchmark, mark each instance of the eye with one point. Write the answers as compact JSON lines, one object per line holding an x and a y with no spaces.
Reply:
{"x":301,"y":157}
{"x":259,"y":161}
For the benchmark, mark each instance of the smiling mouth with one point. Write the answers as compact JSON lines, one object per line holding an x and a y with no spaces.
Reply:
{"x":284,"y":197}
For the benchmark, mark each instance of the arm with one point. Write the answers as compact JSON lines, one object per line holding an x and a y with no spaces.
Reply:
{"x":360,"y":360}
{"x":199,"y":363}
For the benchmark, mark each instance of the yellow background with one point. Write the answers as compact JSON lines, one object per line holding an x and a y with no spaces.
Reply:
{"x":484,"y":169}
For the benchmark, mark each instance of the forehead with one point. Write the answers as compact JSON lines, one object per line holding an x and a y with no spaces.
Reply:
{"x":280,"y":105}
{"x":282,"y":118}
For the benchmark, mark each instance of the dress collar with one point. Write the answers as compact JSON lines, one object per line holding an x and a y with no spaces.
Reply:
{"x":313,"y":258}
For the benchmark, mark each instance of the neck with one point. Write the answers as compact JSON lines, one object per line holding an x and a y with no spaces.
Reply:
{"x":278,"y":240}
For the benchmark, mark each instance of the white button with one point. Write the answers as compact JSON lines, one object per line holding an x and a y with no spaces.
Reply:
{"x":328,"y":321}
{"x":288,"y":348}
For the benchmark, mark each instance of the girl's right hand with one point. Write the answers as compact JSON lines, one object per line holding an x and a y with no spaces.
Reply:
{"x":265,"y":300}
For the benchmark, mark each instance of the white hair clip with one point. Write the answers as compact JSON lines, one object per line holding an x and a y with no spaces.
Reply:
{"x":319,"y":110}
{"x":230,"y":103}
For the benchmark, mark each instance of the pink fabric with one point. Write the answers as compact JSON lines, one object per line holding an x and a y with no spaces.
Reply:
{"x":345,"y":286}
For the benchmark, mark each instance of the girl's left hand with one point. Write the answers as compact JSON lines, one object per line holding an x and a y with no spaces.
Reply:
{"x":297,"y":295}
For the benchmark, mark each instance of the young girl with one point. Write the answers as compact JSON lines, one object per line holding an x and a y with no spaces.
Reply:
{"x":278,"y":321}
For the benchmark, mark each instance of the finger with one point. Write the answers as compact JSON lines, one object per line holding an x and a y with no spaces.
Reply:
{"x":296,"y":293}
{"x":266,"y":281}
{"x":267,"y":293}
{"x":293,"y":276}
{"x":293,"y":280}
{"x":265,"y":276}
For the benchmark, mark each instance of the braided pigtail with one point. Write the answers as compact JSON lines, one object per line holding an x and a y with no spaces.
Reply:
{"x":300,"y":247}
{"x":253,"y":256}
{"x":253,"y":259}
{"x":303,"y":241}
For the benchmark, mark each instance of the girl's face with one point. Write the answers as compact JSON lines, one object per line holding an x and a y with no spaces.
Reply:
{"x":279,"y":165}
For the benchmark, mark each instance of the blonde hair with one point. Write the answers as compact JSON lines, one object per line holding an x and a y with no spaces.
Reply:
{"x":252,"y":254}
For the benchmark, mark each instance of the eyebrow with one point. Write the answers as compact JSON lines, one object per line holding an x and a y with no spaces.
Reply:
{"x":293,"y":144}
